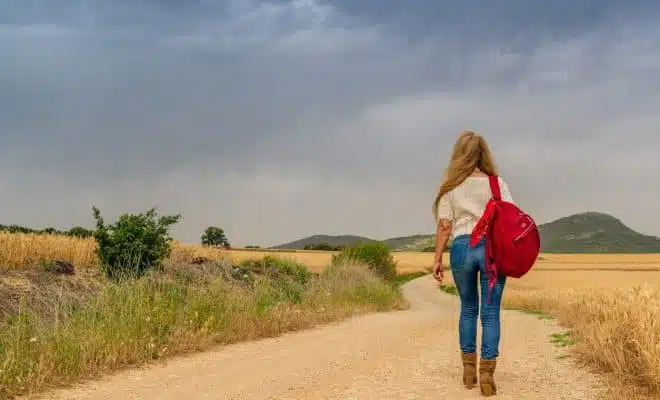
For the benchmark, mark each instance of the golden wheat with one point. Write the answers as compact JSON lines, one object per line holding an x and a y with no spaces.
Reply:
{"x":21,"y":250}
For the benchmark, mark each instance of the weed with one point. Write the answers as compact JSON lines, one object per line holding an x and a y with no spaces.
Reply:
{"x":538,"y":313}
{"x":562,"y":339}
{"x":449,"y":289}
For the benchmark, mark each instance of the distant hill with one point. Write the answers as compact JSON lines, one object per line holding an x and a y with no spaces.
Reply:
{"x":589,"y":232}
{"x":413,"y":242}
{"x":594,"y":232}
{"x":332,"y":240}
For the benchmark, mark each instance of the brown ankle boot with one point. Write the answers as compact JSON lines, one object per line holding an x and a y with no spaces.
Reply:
{"x":469,"y":369}
{"x":486,"y":381}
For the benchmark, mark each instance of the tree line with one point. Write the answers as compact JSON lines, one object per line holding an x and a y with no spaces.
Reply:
{"x":212,"y":236}
{"x":76,"y":231}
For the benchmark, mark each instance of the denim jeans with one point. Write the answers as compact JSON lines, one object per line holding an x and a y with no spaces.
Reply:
{"x":468,"y":264}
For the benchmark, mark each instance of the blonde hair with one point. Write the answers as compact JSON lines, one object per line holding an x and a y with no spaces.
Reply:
{"x":469,"y":153}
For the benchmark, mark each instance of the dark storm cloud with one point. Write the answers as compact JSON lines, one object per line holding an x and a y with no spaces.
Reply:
{"x":268,"y":118}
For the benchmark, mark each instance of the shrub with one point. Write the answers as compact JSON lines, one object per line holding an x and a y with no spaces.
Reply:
{"x":356,"y":283}
{"x":377,"y":255}
{"x":133,"y":244}
{"x":275,"y":267}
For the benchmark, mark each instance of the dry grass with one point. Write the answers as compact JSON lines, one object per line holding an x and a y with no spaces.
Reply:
{"x":617,"y":330}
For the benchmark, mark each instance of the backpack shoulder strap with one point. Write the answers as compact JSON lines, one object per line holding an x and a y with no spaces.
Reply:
{"x":495,"y":187}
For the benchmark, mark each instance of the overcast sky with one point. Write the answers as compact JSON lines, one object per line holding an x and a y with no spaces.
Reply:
{"x":277,"y":120}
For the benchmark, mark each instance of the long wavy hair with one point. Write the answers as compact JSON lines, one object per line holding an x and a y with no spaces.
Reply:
{"x":469,"y":153}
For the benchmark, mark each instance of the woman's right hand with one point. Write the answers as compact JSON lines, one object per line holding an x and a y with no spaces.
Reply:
{"x":438,"y":271}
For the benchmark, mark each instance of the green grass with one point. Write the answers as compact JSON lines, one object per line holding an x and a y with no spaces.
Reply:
{"x":187,"y":309}
{"x":449,"y":289}
{"x":538,"y":313}
{"x":401,"y":279}
{"x":562,"y":339}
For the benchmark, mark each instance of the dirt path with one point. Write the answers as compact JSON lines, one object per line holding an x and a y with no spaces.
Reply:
{"x":402,"y":355}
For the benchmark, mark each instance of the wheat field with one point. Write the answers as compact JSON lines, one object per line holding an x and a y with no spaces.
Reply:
{"x":611,"y":314}
{"x":22,"y":250}
{"x":610,"y":302}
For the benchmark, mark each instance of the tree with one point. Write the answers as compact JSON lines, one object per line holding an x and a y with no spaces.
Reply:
{"x":214,"y":236}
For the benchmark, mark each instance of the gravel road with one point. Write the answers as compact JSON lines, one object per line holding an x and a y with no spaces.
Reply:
{"x":410,"y":354}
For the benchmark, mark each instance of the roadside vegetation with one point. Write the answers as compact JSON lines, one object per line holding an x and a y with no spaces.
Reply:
{"x":60,"y":325}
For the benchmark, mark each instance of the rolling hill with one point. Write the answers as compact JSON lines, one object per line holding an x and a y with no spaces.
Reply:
{"x":589,"y":232}
{"x":594,"y":232}
{"x":413,"y":242}
{"x":332,"y":240}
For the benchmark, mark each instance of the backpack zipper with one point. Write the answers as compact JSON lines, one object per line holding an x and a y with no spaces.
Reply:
{"x":529,"y":227}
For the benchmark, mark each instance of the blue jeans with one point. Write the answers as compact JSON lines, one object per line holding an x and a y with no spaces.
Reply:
{"x":468,"y":263}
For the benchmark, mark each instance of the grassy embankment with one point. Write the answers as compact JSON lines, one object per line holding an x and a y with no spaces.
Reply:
{"x":58,"y":329}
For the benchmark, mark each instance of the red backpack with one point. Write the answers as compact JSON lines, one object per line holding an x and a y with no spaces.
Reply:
{"x":512,"y":238}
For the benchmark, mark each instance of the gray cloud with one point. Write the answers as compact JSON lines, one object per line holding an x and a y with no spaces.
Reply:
{"x":277,"y":120}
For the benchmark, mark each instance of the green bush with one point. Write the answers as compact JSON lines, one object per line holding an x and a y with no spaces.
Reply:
{"x":133,"y":244}
{"x":275,"y":267}
{"x":377,"y":255}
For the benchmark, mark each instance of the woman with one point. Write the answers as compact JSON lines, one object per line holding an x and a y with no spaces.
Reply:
{"x":459,"y":204}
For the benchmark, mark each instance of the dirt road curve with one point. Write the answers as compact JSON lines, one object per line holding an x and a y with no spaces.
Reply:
{"x":402,"y":355}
